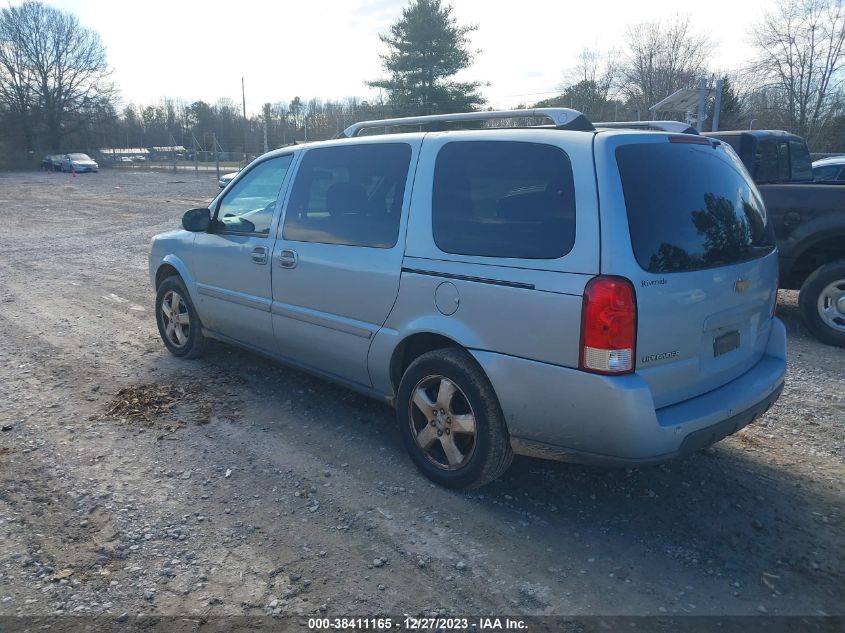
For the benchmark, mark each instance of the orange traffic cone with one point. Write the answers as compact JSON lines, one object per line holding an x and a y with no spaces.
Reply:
{"x":73,"y":173}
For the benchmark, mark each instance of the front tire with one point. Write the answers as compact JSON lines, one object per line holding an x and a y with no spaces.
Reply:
{"x":178,"y":323}
{"x":451,"y":422}
{"x":822,"y":303}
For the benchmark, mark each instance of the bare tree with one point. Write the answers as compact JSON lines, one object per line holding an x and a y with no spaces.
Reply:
{"x":799,"y":62}
{"x":592,"y":83}
{"x":16,"y":81}
{"x":66,"y":70}
{"x":589,"y":86}
{"x":662,"y":57}
{"x":597,"y":69}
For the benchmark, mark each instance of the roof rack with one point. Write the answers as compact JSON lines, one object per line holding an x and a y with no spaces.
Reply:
{"x":676,"y":127}
{"x":561,"y":118}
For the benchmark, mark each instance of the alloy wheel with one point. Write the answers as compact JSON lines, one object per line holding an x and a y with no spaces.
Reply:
{"x":175,"y":318}
{"x":442,"y":421}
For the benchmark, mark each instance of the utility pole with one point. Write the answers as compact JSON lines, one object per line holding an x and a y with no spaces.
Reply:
{"x":717,"y":106}
{"x":243,"y":98}
{"x":216,"y":154}
{"x":266,"y":117}
{"x":702,"y":101}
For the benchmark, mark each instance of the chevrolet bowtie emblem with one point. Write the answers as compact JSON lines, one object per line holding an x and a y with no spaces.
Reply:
{"x":741,"y":285}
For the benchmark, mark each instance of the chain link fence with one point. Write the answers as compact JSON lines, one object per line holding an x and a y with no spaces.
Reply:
{"x":210,"y":157}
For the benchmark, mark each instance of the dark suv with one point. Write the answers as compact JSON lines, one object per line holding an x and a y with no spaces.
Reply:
{"x":809,"y":222}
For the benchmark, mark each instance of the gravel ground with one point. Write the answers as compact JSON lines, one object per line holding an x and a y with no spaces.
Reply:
{"x":135,"y":483}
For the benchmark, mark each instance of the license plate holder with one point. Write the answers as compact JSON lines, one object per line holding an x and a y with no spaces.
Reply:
{"x":725,"y":343}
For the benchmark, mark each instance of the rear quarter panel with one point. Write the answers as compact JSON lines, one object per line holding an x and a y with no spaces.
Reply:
{"x":523,"y":308}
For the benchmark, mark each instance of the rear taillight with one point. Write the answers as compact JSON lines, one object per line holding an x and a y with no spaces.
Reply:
{"x":609,"y":326}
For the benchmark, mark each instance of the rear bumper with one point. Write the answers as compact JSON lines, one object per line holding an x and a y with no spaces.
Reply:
{"x":566,"y":414}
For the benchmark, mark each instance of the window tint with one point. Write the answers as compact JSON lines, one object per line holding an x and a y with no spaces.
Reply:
{"x":690,"y":207}
{"x":248,"y":206}
{"x":503,"y":199}
{"x":349,"y":195}
{"x":802,"y":165}
{"x":766,"y":161}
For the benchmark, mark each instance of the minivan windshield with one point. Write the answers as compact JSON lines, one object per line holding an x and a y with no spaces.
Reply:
{"x":691,"y":206}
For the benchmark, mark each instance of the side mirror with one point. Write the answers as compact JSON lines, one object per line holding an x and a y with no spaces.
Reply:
{"x":196,"y":220}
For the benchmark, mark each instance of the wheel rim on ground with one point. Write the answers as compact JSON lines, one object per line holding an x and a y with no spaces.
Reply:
{"x":175,"y":318}
{"x":831,"y":305}
{"x":442,"y":422}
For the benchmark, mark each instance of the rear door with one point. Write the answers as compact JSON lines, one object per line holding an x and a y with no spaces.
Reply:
{"x":338,"y":254}
{"x":683,"y":220}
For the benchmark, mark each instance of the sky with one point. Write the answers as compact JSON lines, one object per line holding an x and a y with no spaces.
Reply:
{"x":191,"y":50}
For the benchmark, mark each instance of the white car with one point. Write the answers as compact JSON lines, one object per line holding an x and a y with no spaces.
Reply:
{"x":829,"y":170}
{"x":225,"y":179}
{"x":79,"y":163}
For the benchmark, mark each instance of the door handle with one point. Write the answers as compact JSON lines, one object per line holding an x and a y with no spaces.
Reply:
{"x":259,"y":255}
{"x":288,"y":259}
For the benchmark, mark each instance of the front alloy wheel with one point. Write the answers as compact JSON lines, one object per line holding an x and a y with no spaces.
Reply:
{"x":176,"y":318}
{"x":178,"y":323}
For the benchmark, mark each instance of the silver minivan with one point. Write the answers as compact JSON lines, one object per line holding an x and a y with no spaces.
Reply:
{"x":554,"y":290}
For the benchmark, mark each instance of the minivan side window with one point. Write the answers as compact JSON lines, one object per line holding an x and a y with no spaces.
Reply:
{"x":249,"y":205}
{"x":350,"y":195}
{"x":503,"y":199}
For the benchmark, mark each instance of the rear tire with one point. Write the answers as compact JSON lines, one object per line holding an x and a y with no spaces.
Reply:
{"x":451,"y":422}
{"x":822,"y":303}
{"x":179,"y":325}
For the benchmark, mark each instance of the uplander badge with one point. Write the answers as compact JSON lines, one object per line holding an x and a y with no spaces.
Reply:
{"x":650,"y":358}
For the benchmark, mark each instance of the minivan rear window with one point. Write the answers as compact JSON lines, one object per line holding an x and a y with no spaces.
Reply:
{"x":691,"y":207}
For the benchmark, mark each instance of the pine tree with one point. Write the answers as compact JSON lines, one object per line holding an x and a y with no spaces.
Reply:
{"x":731,"y":114}
{"x":426,"y":47}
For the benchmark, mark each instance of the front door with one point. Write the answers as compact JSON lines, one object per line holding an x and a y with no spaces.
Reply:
{"x":338,"y":256}
{"x":231,"y":262}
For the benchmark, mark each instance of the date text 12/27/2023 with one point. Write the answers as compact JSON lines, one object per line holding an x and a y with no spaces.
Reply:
{"x":412,"y":623}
